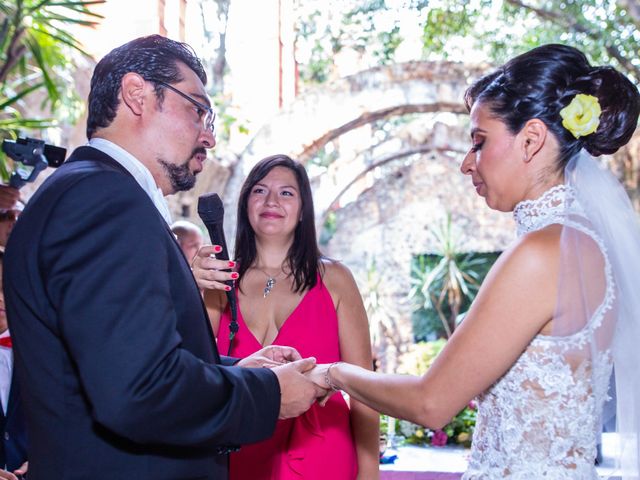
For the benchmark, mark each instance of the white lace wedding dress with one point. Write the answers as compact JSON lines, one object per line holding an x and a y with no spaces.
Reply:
{"x":541,"y":419}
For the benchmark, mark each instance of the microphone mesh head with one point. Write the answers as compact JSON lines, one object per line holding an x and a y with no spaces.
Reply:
{"x":210,"y":208}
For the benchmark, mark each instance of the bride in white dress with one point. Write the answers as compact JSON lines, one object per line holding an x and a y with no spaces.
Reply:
{"x":560,"y":308}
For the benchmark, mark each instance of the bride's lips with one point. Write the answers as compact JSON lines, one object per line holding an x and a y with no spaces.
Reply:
{"x":477,"y":186}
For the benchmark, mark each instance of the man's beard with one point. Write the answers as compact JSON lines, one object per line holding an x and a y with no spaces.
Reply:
{"x":180,"y":176}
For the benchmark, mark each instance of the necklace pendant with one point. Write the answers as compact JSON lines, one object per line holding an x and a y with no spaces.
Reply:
{"x":271,"y":282}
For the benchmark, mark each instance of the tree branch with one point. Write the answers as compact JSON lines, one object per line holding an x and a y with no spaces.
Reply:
{"x":575,"y":25}
{"x":632,"y":7}
{"x":370,"y":117}
{"x":384,"y":160}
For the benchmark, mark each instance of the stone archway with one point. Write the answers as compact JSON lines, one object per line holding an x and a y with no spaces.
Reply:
{"x":379,"y":227}
{"x":389,"y":221}
{"x":325,"y":113}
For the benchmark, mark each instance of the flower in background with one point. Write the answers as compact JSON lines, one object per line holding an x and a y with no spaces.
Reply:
{"x":439,"y":438}
{"x":473,"y":405}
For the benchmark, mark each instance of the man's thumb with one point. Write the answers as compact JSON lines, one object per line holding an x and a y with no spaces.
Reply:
{"x":305,"y":364}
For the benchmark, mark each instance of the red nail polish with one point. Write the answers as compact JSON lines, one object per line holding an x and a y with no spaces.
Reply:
{"x":234,"y":275}
{"x":232,"y":264}
{"x":227,"y":288}
{"x":218,"y":248}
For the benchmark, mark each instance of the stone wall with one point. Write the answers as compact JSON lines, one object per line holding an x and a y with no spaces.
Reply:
{"x":390,"y":223}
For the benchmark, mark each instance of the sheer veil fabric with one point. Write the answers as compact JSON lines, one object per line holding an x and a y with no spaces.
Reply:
{"x":599,"y":296}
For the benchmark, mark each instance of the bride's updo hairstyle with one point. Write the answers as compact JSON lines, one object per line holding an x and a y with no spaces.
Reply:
{"x":540,"y":83}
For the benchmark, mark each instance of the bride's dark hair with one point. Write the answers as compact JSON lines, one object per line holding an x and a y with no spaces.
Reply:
{"x":541,"y":82}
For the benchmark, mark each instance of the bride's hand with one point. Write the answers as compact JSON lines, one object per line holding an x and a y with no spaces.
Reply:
{"x":320,"y":375}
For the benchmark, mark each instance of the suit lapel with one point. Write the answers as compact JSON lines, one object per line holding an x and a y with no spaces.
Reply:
{"x":14,"y":395}
{"x":92,"y":154}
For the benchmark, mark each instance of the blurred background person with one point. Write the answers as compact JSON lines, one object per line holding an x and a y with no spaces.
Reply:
{"x":9,"y":197}
{"x":13,"y":445}
{"x":289,"y":294}
{"x":189,"y":237}
{"x":10,"y":207}
{"x":7,"y":221}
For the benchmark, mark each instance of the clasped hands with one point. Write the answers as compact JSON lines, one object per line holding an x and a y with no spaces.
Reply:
{"x":302,"y":382}
{"x":17,"y":474}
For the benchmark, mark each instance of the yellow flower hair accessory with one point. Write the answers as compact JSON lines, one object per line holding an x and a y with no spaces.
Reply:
{"x":582,"y":116}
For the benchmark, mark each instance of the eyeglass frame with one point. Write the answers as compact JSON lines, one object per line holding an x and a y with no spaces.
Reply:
{"x":211,"y":114}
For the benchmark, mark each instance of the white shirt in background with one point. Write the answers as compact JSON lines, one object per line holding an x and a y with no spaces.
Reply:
{"x":6,"y":371}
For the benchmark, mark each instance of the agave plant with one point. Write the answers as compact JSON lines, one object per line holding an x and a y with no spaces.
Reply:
{"x":452,"y":280}
{"x":35,"y":40}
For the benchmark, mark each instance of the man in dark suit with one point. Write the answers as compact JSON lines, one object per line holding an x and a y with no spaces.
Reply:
{"x":116,"y":359}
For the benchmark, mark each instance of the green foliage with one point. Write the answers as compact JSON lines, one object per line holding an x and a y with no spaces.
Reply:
{"x":445,"y":283}
{"x":607,"y":30}
{"x":329,"y":228}
{"x":226,"y":121}
{"x":459,"y":430}
{"x":421,"y":356}
{"x":324,"y":28}
{"x":35,"y":47}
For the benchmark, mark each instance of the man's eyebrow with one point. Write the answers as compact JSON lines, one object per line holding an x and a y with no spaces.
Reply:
{"x":203,"y":98}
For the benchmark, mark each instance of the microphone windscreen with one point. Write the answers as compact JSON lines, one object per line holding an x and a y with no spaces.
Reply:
{"x":210,"y":208}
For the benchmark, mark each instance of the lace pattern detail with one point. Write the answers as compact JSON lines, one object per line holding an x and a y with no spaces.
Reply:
{"x":540,"y":420}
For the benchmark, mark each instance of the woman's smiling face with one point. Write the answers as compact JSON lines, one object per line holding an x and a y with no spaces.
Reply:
{"x":274,"y":204}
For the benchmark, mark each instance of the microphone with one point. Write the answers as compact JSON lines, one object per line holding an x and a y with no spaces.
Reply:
{"x":211,"y":212}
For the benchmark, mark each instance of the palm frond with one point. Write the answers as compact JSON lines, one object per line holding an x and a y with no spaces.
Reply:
{"x":26,"y":123}
{"x":15,"y":98}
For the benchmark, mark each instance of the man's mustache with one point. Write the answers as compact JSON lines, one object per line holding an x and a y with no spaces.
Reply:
{"x":199,"y":150}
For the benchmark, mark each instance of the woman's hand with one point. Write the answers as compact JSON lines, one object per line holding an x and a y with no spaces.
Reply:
{"x":211,"y":273}
{"x":321,"y":376}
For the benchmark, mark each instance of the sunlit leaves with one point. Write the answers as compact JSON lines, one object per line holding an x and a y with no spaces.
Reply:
{"x":36,"y":45}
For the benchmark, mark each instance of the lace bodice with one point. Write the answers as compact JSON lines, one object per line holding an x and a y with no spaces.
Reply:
{"x":540,"y":420}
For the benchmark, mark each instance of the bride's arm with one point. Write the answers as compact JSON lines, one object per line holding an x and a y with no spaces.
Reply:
{"x":514,"y":303}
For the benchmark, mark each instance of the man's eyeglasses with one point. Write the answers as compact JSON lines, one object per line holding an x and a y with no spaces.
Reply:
{"x":207,"y":111}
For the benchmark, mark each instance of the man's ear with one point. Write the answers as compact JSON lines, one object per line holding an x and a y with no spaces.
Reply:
{"x":132,"y":91}
{"x":534,"y":136}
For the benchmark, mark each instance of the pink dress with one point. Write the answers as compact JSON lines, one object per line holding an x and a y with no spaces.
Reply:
{"x":318,"y":444}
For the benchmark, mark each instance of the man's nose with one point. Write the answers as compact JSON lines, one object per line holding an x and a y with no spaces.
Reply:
{"x":208,"y":138}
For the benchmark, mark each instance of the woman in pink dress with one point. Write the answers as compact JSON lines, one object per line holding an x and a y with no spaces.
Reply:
{"x":289,"y":294}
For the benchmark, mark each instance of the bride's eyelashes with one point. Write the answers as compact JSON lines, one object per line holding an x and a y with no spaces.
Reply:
{"x":476,"y":147}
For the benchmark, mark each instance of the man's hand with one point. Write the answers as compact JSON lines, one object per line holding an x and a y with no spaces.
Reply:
{"x":17,"y":474}
{"x":270,"y":357}
{"x":9,"y":196}
{"x":207,"y":270}
{"x":298,"y":393}
{"x":24,"y":468}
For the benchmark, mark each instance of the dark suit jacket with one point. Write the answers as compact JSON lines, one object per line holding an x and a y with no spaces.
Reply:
{"x":117,"y":362}
{"x":13,"y":446}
